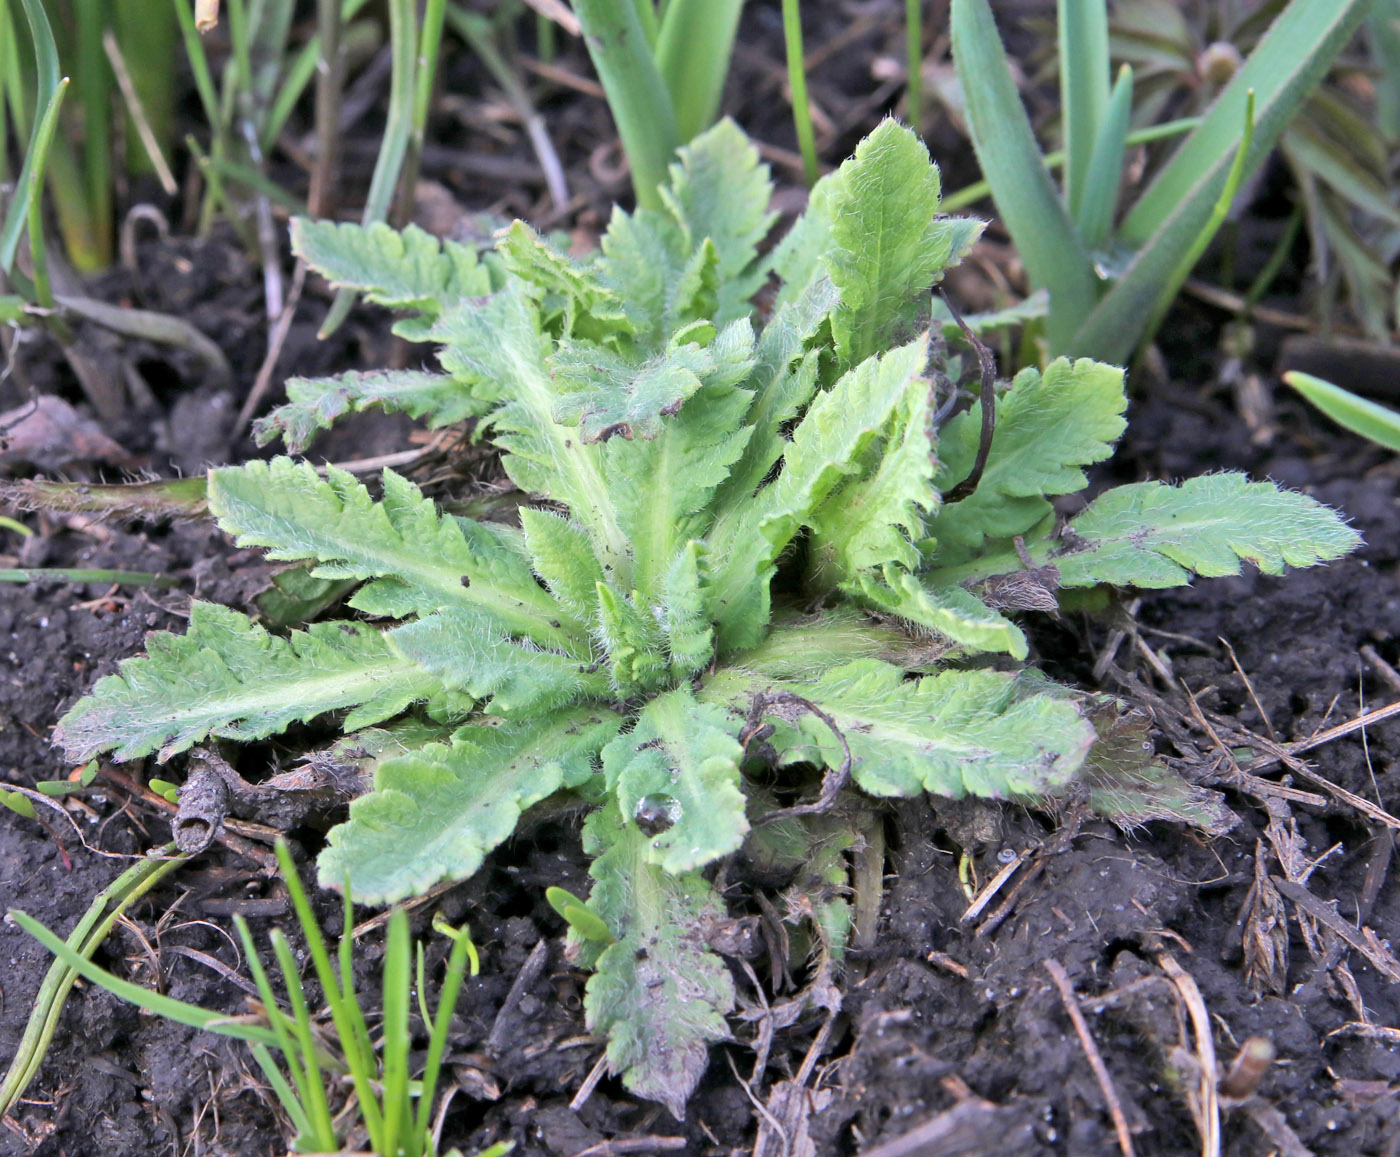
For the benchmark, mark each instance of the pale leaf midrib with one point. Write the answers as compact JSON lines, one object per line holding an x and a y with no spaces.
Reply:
{"x":342,"y":688}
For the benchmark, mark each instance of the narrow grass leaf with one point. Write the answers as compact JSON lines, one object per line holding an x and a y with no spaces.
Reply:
{"x":1045,"y":237}
{"x":1105,"y":174}
{"x":177,"y":1010}
{"x":315,"y":404}
{"x":46,"y":85}
{"x":1082,"y":31}
{"x":693,"y":46}
{"x":1284,"y":67}
{"x":1359,"y":415}
{"x":637,"y":94}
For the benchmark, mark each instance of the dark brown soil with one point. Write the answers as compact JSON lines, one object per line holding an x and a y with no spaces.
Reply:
{"x":952,"y":1029}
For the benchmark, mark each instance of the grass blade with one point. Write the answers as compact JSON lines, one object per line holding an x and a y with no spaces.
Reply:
{"x":1105,"y":174}
{"x":1359,"y":415}
{"x":463,"y":951}
{"x":970,"y":194}
{"x":177,"y":1010}
{"x":199,"y":62}
{"x":1054,"y":257}
{"x":797,"y":84}
{"x":1285,"y":66}
{"x":1384,"y":34}
{"x":692,"y":54}
{"x":84,"y":940}
{"x":286,"y":1095}
{"x":12,"y":84}
{"x":59,"y":574}
{"x":397,"y":970}
{"x":403,"y":35}
{"x":914,"y":62}
{"x":46,"y":83}
{"x":344,"y":1011}
{"x":637,"y":94}
{"x":429,"y":44}
{"x":1084,"y":73}
{"x":1336,"y":167}
{"x":34,"y":195}
{"x":147,"y":36}
{"x":1133,"y":309}
{"x":299,"y":73}
{"x":286,"y":1044}
{"x":304,"y":1062}
{"x":94,"y":92}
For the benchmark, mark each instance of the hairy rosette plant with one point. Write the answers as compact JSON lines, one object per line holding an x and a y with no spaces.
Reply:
{"x":755,"y":572}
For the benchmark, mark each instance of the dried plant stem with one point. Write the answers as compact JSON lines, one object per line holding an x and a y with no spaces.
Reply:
{"x":1091,"y":1051}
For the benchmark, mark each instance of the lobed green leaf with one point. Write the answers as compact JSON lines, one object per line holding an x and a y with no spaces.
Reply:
{"x":499,"y":346}
{"x":1152,"y":535}
{"x":660,"y":995}
{"x":828,"y":447}
{"x":720,"y":190}
{"x":402,"y":269}
{"x":315,"y":404}
{"x":435,"y":812}
{"x":888,"y":243}
{"x":1048,"y":427}
{"x":472,"y":652}
{"x":228,"y":678}
{"x":420,"y":560}
{"x":945,"y":607}
{"x":952,"y":734}
{"x":876,"y":519}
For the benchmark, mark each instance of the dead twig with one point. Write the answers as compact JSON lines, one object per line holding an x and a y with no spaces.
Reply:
{"x":1091,"y":1051}
{"x":618,"y":1146}
{"x":590,"y":1082}
{"x":394,"y":461}
{"x":1376,"y":1032}
{"x":529,"y":973}
{"x":994,"y":885}
{"x":1205,"y":1104}
{"x":1274,"y":1125}
{"x":1060,"y":842}
{"x":1248,"y":686}
{"x":988,"y":368}
{"x":1362,"y":939}
{"x":274,"y":351}
{"x":968,"y":1127}
{"x":557,"y":11}
{"x":382,"y":918}
{"x":1248,"y":1069}
{"x":235,"y":843}
{"x":1379,"y":715}
{"x":833,"y":779}
{"x":1387,"y":672}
